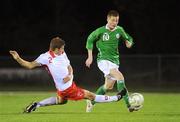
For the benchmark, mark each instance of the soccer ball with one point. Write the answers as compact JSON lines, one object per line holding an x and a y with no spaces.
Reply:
{"x":136,"y":100}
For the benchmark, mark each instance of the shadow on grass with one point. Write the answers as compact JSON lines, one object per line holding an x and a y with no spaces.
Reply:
{"x":58,"y":113}
{"x":161,"y":114}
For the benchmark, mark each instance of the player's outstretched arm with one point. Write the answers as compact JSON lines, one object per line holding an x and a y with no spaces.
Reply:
{"x":22,"y":62}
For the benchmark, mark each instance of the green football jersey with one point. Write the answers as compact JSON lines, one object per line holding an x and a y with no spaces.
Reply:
{"x":107,"y":42}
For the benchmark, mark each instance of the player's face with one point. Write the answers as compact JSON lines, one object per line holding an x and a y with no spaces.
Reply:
{"x":112,"y":21}
{"x":61,"y":50}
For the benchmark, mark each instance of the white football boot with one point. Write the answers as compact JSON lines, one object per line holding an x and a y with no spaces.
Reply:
{"x":89,"y":106}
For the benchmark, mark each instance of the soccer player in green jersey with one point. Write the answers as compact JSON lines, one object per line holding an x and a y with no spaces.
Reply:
{"x":107,"y":39}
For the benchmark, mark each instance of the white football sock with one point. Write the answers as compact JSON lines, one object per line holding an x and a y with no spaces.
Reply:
{"x":48,"y":101}
{"x":105,"y":98}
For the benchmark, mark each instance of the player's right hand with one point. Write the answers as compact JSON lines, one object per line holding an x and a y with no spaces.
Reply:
{"x":89,"y":62}
{"x":14,"y":54}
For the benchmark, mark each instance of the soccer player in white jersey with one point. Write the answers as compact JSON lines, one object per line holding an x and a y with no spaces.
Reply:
{"x":61,"y":71}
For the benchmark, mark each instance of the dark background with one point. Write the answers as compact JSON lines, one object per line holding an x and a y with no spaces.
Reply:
{"x":28,"y":25}
{"x":152,"y":64}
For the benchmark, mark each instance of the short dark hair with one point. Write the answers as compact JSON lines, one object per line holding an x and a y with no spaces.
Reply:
{"x":113,"y":13}
{"x":56,"y":42}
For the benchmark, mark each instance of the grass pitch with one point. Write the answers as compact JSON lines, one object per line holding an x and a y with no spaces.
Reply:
{"x":157,"y":108}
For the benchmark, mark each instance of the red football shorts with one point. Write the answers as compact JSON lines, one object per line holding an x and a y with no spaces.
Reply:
{"x":72,"y":93}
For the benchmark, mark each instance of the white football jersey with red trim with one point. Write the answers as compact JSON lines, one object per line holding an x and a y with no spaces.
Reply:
{"x":58,"y":68}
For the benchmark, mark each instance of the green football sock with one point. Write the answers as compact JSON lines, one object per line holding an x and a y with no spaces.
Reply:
{"x":101,"y":91}
{"x":120,"y":86}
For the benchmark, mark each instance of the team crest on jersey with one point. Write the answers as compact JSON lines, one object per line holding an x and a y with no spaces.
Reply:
{"x":105,"y":36}
{"x":117,"y":36}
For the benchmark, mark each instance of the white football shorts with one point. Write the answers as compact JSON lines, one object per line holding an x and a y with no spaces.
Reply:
{"x":105,"y":66}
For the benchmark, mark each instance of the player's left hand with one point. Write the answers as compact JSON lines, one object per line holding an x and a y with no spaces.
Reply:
{"x":128,"y":44}
{"x":67,"y":78}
